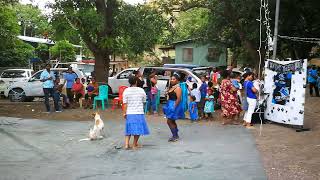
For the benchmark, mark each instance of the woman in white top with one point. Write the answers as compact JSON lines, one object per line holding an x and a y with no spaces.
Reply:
{"x":133,"y":99}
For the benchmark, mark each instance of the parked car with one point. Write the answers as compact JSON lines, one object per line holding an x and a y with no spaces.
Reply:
{"x":164,"y":74}
{"x":120,"y":79}
{"x":15,"y":75}
{"x":9,"y":76}
{"x":28,"y":90}
{"x":182,"y":66}
{"x":3,"y":87}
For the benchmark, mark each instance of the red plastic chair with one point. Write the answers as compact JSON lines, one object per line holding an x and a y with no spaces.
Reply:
{"x":118,"y":100}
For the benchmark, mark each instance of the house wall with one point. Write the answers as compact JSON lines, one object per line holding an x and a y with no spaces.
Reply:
{"x":200,"y":54}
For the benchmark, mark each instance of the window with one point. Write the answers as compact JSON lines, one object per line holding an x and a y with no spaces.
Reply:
{"x":147,"y":72}
{"x":13,"y":74}
{"x":125,"y":74}
{"x":36,"y":76}
{"x":213,"y":54}
{"x":188,"y":54}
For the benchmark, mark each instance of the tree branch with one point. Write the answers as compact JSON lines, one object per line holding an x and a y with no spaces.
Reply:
{"x":106,"y":9}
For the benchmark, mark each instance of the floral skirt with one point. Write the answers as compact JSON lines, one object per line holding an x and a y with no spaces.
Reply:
{"x":230,"y":106}
{"x":136,"y":125}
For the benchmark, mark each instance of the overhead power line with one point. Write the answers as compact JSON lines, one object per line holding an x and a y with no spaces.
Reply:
{"x":300,"y":39}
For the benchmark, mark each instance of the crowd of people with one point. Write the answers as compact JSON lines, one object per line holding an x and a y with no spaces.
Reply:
{"x":221,"y":90}
{"x":76,"y":90}
{"x":224,"y":92}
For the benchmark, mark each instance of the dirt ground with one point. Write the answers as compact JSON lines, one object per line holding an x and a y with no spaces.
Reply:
{"x":286,"y":154}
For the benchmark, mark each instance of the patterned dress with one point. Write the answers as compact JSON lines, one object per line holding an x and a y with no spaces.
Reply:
{"x":229,"y":101}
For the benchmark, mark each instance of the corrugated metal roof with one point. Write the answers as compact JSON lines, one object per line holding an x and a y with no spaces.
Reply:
{"x":40,"y":40}
{"x":36,"y":40}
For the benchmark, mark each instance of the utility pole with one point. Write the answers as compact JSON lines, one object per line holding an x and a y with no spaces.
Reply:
{"x":275,"y":37}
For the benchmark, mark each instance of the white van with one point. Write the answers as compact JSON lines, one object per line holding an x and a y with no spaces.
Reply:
{"x":28,"y":90}
{"x":164,"y":75}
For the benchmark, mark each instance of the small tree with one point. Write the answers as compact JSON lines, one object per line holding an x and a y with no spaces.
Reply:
{"x":64,"y":51}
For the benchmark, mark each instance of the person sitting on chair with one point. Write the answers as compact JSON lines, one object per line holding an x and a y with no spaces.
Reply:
{"x":92,"y":91}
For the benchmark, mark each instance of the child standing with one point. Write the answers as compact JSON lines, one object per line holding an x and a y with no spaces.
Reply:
{"x":209,"y":104}
{"x":193,"y":109}
{"x":195,"y":92}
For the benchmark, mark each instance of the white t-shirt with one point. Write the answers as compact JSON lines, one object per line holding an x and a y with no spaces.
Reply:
{"x":134,"y":97}
{"x":196,"y":93}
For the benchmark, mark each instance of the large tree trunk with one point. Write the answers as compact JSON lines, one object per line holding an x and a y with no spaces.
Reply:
{"x":101,"y":67}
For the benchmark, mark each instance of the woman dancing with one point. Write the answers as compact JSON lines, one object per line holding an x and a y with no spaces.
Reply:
{"x":173,"y":110}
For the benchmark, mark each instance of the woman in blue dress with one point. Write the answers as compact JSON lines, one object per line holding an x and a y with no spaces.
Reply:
{"x":173,"y":110}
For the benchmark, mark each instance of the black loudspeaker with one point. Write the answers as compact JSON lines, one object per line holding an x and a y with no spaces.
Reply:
{"x":258,"y":116}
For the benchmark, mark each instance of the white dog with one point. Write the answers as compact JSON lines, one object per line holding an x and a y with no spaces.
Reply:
{"x":97,"y":132}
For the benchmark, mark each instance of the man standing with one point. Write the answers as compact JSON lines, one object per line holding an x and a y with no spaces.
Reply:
{"x":312,"y":79}
{"x":48,"y":77}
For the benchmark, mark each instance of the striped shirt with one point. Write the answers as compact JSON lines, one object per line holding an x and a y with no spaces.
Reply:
{"x":134,"y":97}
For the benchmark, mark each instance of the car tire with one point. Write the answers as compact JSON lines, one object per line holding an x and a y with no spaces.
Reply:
{"x":17,"y":95}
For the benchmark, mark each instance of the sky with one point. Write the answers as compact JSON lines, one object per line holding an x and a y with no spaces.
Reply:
{"x":41,"y":3}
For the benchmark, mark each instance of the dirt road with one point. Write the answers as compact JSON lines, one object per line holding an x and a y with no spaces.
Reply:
{"x":286,"y":154}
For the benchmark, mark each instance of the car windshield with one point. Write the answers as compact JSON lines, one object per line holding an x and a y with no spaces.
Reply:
{"x":201,"y":72}
{"x":13,"y":74}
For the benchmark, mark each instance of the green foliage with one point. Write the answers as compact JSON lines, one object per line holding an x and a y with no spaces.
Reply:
{"x":139,"y":28}
{"x":63,"y":31}
{"x":13,"y":52}
{"x":64,"y":51}
{"x":191,"y":24}
{"x":110,"y":27}
{"x":301,"y":19}
{"x":17,"y":55}
{"x":42,"y":52}
{"x":234,"y":23}
{"x":9,"y":28}
{"x":33,"y":22}
{"x":8,"y":2}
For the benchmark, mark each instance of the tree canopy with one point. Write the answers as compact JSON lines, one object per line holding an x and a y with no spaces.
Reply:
{"x":13,"y":52}
{"x":64,"y":51}
{"x":32,"y":21}
{"x":9,"y":26}
{"x":234,"y":22}
{"x":111,"y":27}
{"x":115,"y":28}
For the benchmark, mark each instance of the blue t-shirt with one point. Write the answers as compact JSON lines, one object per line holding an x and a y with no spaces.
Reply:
{"x":203,"y":89}
{"x":312,"y":74}
{"x":70,"y":78}
{"x":248,"y":85}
